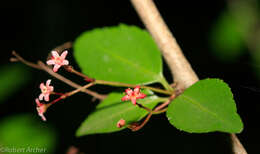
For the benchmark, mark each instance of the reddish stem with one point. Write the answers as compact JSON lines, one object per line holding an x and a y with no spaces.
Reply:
{"x":55,"y":93}
{"x":160,"y":108}
{"x":72,"y":70}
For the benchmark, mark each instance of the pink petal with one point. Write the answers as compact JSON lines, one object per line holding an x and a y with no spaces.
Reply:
{"x":137,"y":89}
{"x":38,"y":102}
{"x":125,"y":98}
{"x":51,"y":88}
{"x":48,"y":82}
{"x":50,"y":62}
{"x":64,"y":54}
{"x":42,"y":86}
{"x":43,"y":117}
{"x":141,"y":96}
{"x":55,"y":54}
{"x":133,"y":100}
{"x":129,"y":91}
{"x":41,"y":96}
{"x":56,"y":67}
{"x":47,"y":97}
{"x":40,"y":109}
{"x":65,"y":62}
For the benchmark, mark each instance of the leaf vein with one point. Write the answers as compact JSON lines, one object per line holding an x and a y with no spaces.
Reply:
{"x":195,"y":103}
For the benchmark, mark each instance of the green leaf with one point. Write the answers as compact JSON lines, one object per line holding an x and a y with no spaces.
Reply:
{"x":12,"y":78}
{"x":206,"y":106}
{"x":24,"y":133}
{"x":111,"y":110}
{"x":121,"y":53}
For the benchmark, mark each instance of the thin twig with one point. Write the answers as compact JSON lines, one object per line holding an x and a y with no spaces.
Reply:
{"x":159,"y":109}
{"x":69,"y":82}
{"x":137,"y":127}
{"x":68,"y":94}
{"x":112,"y":83}
{"x":42,"y":66}
{"x":181,"y":69}
{"x":144,"y":107}
{"x":80,"y":89}
{"x":132,"y":86}
{"x":72,"y":70}
{"x":60,"y":48}
{"x":19,"y":58}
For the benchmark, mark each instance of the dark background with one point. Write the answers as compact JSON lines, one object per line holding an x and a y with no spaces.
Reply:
{"x":34,"y":27}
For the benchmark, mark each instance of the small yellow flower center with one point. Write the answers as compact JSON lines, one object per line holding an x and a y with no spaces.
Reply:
{"x":58,"y":60}
{"x":133,"y":97}
{"x":44,"y":89}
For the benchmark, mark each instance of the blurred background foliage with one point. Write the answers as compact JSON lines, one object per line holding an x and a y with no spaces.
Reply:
{"x":25,"y":131}
{"x":13,"y":77}
{"x":220,"y":38}
{"x":236,"y":32}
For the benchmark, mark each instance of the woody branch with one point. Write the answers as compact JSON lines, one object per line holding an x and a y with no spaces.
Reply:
{"x":181,"y":69}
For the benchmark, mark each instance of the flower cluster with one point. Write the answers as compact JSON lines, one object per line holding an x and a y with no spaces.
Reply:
{"x":131,"y":95}
{"x":46,"y":90}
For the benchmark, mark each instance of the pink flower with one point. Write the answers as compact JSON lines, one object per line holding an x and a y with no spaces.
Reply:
{"x":46,"y":90}
{"x":133,"y":95}
{"x":41,"y":109}
{"x":57,"y":60}
{"x":120,"y":123}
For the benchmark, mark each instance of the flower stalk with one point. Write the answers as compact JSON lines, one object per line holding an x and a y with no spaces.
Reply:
{"x":119,"y":84}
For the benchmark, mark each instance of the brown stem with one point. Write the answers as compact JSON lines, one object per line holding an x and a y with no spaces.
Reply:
{"x":54,"y":101}
{"x":19,"y":58}
{"x":144,"y":107}
{"x":179,"y":66}
{"x":68,"y":94}
{"x":72,"y":70}
{"x":159,"y":109}
{"x":183,"y":74}
{"x":42,"y":66}
{"x":69,"y":82}
{"x":66,"y":45}
{"x":238,"y":148}
{"x":79,"y":89}
{"x":138,"y":127}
